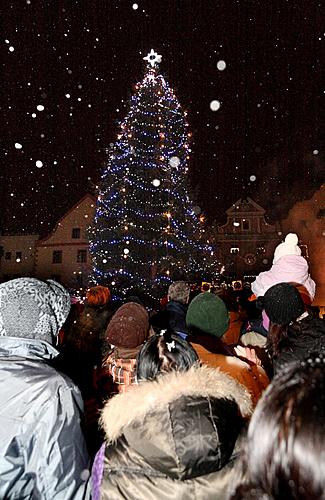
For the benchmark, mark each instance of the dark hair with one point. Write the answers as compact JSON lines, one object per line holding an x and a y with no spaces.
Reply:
{"x":284,"y":456}
{"x":162,"y":353}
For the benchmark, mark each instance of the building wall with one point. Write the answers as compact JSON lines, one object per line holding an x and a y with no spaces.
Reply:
{"x":15,"y":266}
{"x":308,"y":221}
{"x":69,"y":271}
{"x":245,"y":244}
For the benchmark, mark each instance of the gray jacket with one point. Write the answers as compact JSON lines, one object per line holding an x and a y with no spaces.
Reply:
{"x":42,"y":449}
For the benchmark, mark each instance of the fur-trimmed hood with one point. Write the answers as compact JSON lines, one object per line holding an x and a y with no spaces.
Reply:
{"x":184,"y":424}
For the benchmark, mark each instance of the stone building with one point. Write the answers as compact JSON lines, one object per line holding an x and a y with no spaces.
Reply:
{"x":17,"y":255}
{"x":63,"y":254}
{"x":245,"y":244}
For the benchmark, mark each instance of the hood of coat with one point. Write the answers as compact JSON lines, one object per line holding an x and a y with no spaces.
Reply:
{"x":184,"y":424}
{"x":26,"y":348}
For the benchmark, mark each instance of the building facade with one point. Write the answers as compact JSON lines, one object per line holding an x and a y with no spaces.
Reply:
{"x":63,"y":255}
{"x":246,"y":243}
{"x":17,"y":255}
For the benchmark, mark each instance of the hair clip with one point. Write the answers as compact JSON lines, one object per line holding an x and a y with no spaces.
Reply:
{"x":170,"y":345}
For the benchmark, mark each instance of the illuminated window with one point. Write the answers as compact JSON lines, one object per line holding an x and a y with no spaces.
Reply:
{"x":234,"y":250}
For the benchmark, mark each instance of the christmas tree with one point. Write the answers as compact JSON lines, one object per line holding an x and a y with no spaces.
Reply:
{"x":145,"y":227}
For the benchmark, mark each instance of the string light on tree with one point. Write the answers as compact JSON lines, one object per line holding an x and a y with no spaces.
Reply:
{"x":146,"y":231}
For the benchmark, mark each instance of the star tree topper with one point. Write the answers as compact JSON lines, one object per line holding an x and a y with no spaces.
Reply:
{"x":153,"y":58}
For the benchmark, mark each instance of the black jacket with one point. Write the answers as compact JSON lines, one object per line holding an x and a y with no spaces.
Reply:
{"x":173,"y":438}
{"x":304,"y":337}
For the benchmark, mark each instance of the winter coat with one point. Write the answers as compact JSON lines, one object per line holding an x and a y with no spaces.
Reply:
{"x":251,"y":376}
{"x":172,"y":438}
{"x":289,"y":269}
{"x":42,"y":449}
{"x":304,"y":337}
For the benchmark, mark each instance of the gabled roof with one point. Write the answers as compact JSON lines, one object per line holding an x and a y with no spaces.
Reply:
{"x":76,"y":205}
{"x":245,"y":207}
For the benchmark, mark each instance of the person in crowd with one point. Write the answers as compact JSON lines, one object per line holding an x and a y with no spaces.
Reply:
{"x":288,"y":266}
{"x":174,"y":435}
{"x":284,"y":457}
{"x":125,"y":334}
{"x":174,"y":315}
{"x":293,"y":332}
{"x":42,"y":449}
{"x":207,"y":320}
{"x":83,"y":338}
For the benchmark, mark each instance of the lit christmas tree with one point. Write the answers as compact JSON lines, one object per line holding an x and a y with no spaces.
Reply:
{"x":145,"y":228}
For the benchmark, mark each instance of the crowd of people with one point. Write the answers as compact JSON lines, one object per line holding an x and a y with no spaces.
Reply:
{"x":215,"y":395}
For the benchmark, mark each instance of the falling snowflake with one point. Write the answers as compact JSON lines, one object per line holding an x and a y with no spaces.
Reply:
{"x":40,"y":107}
{"x":174,"y":161}
{"x":67,"y":96}
{"x":315,"y":152}
{"x":39,"y":163}
{"x":215,"y":105}
{"x":156,"y":182}
{"x":221,"y":65}
{"x":252,"y":178}
{"x":18,"y":145}
{"x":135,"y":6}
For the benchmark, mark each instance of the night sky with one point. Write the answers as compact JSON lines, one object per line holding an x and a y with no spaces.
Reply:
{"x":81,"y":59}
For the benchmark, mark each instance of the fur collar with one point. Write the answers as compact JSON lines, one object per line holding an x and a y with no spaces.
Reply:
{"x":202,"y":381}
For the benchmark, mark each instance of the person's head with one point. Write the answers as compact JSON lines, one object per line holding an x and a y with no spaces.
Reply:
{"x":164,"y":353}
{"x":208,"y":314}
{"x":179,"y":291}
{"x":282,"y":304}
{"x":129,"y":327}
{"x":284,"y":457}
{"x":98,"y":296}
{"x":33,"y":309}
{"x":288,"y":247}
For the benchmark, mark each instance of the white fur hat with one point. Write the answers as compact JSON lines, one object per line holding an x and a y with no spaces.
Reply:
{"x":288,"y":247}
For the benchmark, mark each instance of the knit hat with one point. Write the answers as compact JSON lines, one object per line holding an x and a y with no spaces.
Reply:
{"x":129,"y":327}
{"x":288,"y":247}
{"x":208,"y":313}
{"x":283,"y":303}
{"x":179,"y":291}
{"x":33,"y":309}
{"x":98,"y":296}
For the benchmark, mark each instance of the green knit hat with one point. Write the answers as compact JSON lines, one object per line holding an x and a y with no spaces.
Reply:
{"x":208,"y":313}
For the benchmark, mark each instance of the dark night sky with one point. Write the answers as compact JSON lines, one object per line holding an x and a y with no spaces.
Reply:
{"x":270,"y":124}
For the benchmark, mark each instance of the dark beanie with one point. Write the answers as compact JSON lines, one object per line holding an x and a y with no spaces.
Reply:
{"x":129,"y":327}
{"x":283,"y":303}
{"x":208,"y":313}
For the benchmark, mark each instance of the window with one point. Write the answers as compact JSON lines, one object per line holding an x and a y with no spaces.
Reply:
{"x":18,"y":256}
{"x":234,"y":250}
{"x":8,"y":256}
{"x":246,"y":225}
{"x":82,"y":256}
{"x":57,"y":257}
{"x":76,"y":233}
